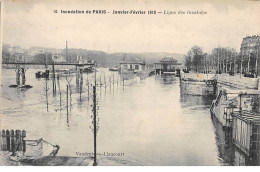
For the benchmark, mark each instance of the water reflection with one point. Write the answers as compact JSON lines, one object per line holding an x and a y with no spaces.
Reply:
{"x":150,"y":120}
{"x":166,"y":79}
{"x":192,"y":100}
{"x":229,"y":154}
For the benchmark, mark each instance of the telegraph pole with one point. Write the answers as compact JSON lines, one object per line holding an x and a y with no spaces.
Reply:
{"x":95,"y":119}
{"x":95,"y":123}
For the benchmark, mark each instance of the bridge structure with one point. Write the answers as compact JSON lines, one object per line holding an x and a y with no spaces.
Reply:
{"x":20,"y":68}
{"x":48,"y":63}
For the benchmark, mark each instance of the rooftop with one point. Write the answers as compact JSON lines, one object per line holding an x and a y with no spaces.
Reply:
{"x":132,"y":60}
{"x":168,"y":60}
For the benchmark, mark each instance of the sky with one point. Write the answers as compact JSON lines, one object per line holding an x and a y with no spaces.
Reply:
{"x":29,"y":23}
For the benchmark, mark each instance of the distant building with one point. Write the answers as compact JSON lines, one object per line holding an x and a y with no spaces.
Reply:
{"x":132,"y":64}
{"x":36,"y":50}
{"x":15,"y":50}
{"x":18,"y":57}
{"x":249,"y":50}
{"x":58,"y":58}
{"x":41,"y":50}
{"x":166,"y":65}
{"x":250,"y":44}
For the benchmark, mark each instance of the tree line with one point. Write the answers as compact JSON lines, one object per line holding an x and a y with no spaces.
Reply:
{"x":221,"y":60}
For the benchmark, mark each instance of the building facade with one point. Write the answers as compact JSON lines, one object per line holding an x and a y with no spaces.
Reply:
{"x":58,"y":58}
{"x":132,"y":65}
{"x":250,"y":44}
{"x":166,"y":65}
{"x":249,"y":53}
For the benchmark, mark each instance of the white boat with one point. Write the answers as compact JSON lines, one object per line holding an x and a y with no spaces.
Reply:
{"x":39,"y":148}
{"x":113,"y":69}
{"x":169,"y":73}
{"x":35,"y":150}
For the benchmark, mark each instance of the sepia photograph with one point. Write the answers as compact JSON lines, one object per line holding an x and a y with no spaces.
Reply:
{"x":130,"y":83}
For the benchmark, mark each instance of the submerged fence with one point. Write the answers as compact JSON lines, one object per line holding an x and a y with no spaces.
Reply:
{"x":13,"y":141}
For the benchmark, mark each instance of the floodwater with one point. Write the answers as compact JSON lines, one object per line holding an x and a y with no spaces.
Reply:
{"x":144,"y":122}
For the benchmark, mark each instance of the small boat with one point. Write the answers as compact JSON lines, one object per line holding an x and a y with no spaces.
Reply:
{"x":39,"y":148}
{"x":41,"y":74}
{"x":88,"y":70}
{"x":35,"y":150}
{"x":169,"y":73}
{"x":20,"y":86}
{"x":63,"y":71}
{"x":113,"y":69}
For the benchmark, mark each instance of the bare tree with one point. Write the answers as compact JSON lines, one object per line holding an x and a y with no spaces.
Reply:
{"x":46,"y":93}
{"x":105,"y":82}
{"x":88,"y":84}
{"x":58,"y":81}
{"x":70,"y":89}
{"x":194,"y":58}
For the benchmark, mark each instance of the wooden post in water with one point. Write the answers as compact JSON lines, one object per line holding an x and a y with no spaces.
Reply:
{"x":100,"y":83}
{"x":81,"y":84}
{"x":46,"y":92}
{"x":67,"y":102}
{"x":88,"y":91}
{"x":87,"y":83}
{"x":77,"y":76}
{"x":94,"y":123}
{"x":22,"y":71}
{"x":105,"y":83}
{"x":58,"y":80}
{"x":70,"y":97}
{"x":113,"y":80}
{"x":54,"y":81}
{"x":110,"y":82}
{"x":17,"y":74}
{"x":123,"y":83}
